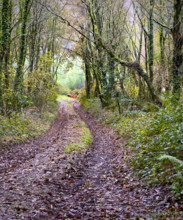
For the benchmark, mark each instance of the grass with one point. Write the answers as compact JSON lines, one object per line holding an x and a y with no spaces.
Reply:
{"x":85,"y":139}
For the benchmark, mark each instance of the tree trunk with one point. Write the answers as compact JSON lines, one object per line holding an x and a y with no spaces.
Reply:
{"x":139,"y":56}
{"x":88,"y":79}
{"x":151,"y":41}
{"x":162,"y":38}
{"x":5,"y":43}
{"x":177,"y":43}
{"x":162,"y":59}
{"x":22,"y":49}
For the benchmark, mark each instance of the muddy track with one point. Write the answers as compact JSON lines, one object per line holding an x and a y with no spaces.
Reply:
{"x":93,"y":184}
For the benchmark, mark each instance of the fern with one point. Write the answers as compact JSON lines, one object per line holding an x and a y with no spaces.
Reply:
{"x":172,"y":159}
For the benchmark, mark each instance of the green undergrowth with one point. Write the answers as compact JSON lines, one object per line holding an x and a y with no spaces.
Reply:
{"x":20,"y":127}
{"x":155,"y":138}
{"x":85,"y":139}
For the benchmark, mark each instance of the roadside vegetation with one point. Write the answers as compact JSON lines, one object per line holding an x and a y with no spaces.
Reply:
{"x":155,"y":139}
{"x":26,"y":125}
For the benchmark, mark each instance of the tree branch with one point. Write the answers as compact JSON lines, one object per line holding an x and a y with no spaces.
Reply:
{"x":162,"y":25}
{"x":65,"y":21}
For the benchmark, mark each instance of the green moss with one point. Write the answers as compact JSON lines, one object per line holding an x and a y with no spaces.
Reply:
{"x":72,"y":147}
{"x":86,"y":137}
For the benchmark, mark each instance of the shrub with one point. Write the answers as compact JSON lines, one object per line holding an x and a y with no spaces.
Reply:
{"x":91,"y":105}
{"x":19,"y":127}
{"x":155,"y":134}
{"x":14,"y":101}
{"x":41,"y":85}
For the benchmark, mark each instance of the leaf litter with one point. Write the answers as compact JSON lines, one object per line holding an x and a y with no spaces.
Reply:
{"x":40,"y":181}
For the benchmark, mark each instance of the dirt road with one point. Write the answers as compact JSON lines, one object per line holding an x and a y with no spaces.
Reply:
{"x":39,"y":181}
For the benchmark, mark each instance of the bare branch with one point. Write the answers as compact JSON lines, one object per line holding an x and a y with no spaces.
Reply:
{"x":63,"y":20}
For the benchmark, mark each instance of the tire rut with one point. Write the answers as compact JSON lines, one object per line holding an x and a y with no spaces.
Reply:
{"x":93,"y":184}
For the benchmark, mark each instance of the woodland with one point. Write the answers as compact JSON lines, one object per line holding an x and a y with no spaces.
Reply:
{"x":85,"y":83}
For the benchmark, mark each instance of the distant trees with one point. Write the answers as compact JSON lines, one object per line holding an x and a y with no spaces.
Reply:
{"x":29,"y":34}
{"x":109,"y":47}
{"x":130,"y":49}
{"x":149,"y":44}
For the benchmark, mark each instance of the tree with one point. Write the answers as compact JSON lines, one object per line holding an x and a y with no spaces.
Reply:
{"x":22,"y":48}
{"x":177,"y":44}
{"x":5,"y":43}
{"x":135,"y":65}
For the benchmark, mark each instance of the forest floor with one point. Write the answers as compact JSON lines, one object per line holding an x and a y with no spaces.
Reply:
{"x":40,"y":181}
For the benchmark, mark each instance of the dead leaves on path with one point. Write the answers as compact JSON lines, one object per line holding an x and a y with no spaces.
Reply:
{"x":41,"y":182}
